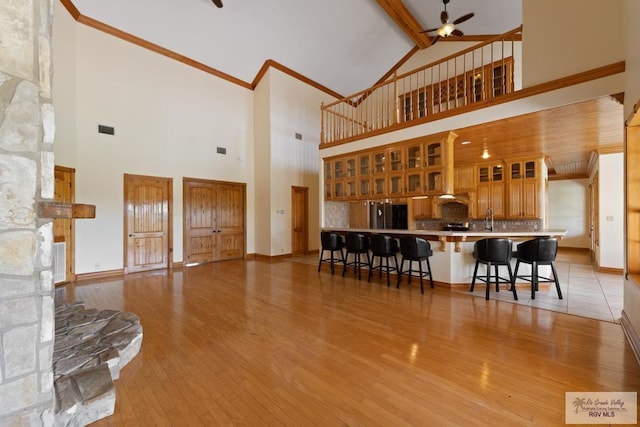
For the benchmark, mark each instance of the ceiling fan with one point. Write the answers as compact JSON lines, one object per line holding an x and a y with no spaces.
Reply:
{"x":448,"y":28}
{"x":217,"y":2}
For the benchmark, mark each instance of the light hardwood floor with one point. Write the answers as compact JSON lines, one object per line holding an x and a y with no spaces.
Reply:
{"x":276,"y":343}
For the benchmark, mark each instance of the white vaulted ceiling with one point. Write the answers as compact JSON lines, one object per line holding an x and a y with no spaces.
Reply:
{"x":343,"y":45}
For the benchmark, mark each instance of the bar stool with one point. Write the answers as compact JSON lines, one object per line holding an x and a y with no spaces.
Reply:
{"x":537,"y":252}
{"x":383,"y":247}
{"x":415,"y":249}
{"x":356,"y":244}
{"x":493,"y":252}
{"x":330,"y":242}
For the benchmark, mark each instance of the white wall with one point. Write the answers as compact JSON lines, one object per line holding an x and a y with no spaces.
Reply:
{"x":562,"y":38}
{"x":294,"y":108}
{"x":168,"y":118}
{"x":64,"y":86}
{"x":569,"y":208}
{"x":611,"y":211}
{"x":262,"y":164}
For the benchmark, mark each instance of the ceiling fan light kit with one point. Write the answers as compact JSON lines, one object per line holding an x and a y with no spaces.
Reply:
{"x":448,"y":28}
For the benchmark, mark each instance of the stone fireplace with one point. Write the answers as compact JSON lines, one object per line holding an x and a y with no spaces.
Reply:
{"x":26,"y":179}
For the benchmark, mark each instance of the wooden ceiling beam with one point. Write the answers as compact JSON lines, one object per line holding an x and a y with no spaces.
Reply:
{"x":406,"y":21}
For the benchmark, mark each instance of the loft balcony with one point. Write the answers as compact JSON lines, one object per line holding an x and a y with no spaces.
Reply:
{"x":474,"y":78}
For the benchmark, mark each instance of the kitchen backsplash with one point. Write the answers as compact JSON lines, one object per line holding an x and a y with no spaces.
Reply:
{"x":479,"y":224}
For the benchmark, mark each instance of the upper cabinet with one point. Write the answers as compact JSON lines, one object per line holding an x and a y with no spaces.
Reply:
{"x":512,"y":189}
{"x":525,"y":188}
{"x":464,"y":179}
{"x":439,"y":172}
{"x":490,"y":188}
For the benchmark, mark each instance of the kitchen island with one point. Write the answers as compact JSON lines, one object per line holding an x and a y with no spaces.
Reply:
{"x":452,"y":262}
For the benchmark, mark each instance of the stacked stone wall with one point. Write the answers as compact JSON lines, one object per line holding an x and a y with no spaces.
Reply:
{"x":26,"y":178}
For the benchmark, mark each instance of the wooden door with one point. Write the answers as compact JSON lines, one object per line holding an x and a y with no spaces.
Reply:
{"x":230,"y":221}
{"x":213,"y":220}
{"x":199,"y":218}
{"x":63,"y":229}
{"x":147,"y":223}
{"x":299,"y":220}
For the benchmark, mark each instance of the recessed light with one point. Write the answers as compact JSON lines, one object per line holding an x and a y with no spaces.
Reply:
{"x":465,"y":143}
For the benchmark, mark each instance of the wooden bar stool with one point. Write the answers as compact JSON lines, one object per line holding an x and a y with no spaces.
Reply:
{"x":496,"y":253}
{"x":356,"y":244}
{"x":415,"y":249}
{"x":383,"y":247}
{"x":537,"y":252}
{"x":331,"y":242}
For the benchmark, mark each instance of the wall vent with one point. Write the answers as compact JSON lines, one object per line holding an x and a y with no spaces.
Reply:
{"x":59,"y":262}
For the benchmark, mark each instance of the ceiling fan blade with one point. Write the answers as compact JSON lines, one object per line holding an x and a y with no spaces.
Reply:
{"x":429,"y":30}
{"x":463,"y":18}
{"x":217,"y":2}
{"x":434,"y":39}
{"x":457,"y":33}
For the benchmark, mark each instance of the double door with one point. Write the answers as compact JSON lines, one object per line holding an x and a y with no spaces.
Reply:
{"x":213,"y":220}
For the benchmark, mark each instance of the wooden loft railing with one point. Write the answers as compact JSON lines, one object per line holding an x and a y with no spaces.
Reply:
{"x":473,"y":76}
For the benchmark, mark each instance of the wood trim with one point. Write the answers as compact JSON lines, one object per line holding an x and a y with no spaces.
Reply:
{"x":65,"y":210}
{"x":631,"y":334}
{"x":610,"y":270}
{"x":65,"y":169}
{"x":101,"y":26}
{"x":480,"y":38}
{"x":271,"y":63}
{"x":100,"y":275}
{"x":71,"y":8}
{"x":393,"y":69}
{"x":634,"y":119}
{"x":586,"y":76}
{"x":178,"y":264}
{"x":611,"y":149}
{"x":406,"y":21}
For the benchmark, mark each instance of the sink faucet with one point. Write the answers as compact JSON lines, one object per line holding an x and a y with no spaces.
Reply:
{"x":488,"y":219}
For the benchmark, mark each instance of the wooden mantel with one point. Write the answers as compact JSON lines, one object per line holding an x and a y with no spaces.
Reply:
{"x":56,"y":210}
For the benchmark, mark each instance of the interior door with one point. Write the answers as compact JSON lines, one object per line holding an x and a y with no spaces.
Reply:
{"x":299,"y":220}
{"x":230,"y":221}
{"x":199,"y":220}
{"x":213,"y":220}
{"x":147,"y":223}
{"x":63,"y":228}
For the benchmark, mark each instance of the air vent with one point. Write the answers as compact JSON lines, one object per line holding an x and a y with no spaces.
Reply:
{"x":108,"y":130}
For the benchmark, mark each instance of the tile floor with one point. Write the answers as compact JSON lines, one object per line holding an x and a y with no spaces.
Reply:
{"x":586,"y":292}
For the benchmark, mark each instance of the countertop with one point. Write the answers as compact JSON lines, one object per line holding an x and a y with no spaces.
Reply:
{"x":550,"y":232}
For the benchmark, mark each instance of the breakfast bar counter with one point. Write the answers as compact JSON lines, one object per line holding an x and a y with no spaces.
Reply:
{"x":452,"y":261}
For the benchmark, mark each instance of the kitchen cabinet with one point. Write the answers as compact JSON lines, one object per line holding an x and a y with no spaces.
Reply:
{"x":513,"y":188}
{"x":439,"y":171}
{"x":396,"y":184}
{"x":524,"y":189}
{"x":490,"y":190}
{"x":464,"y":179}
{"x":423,"y":208}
